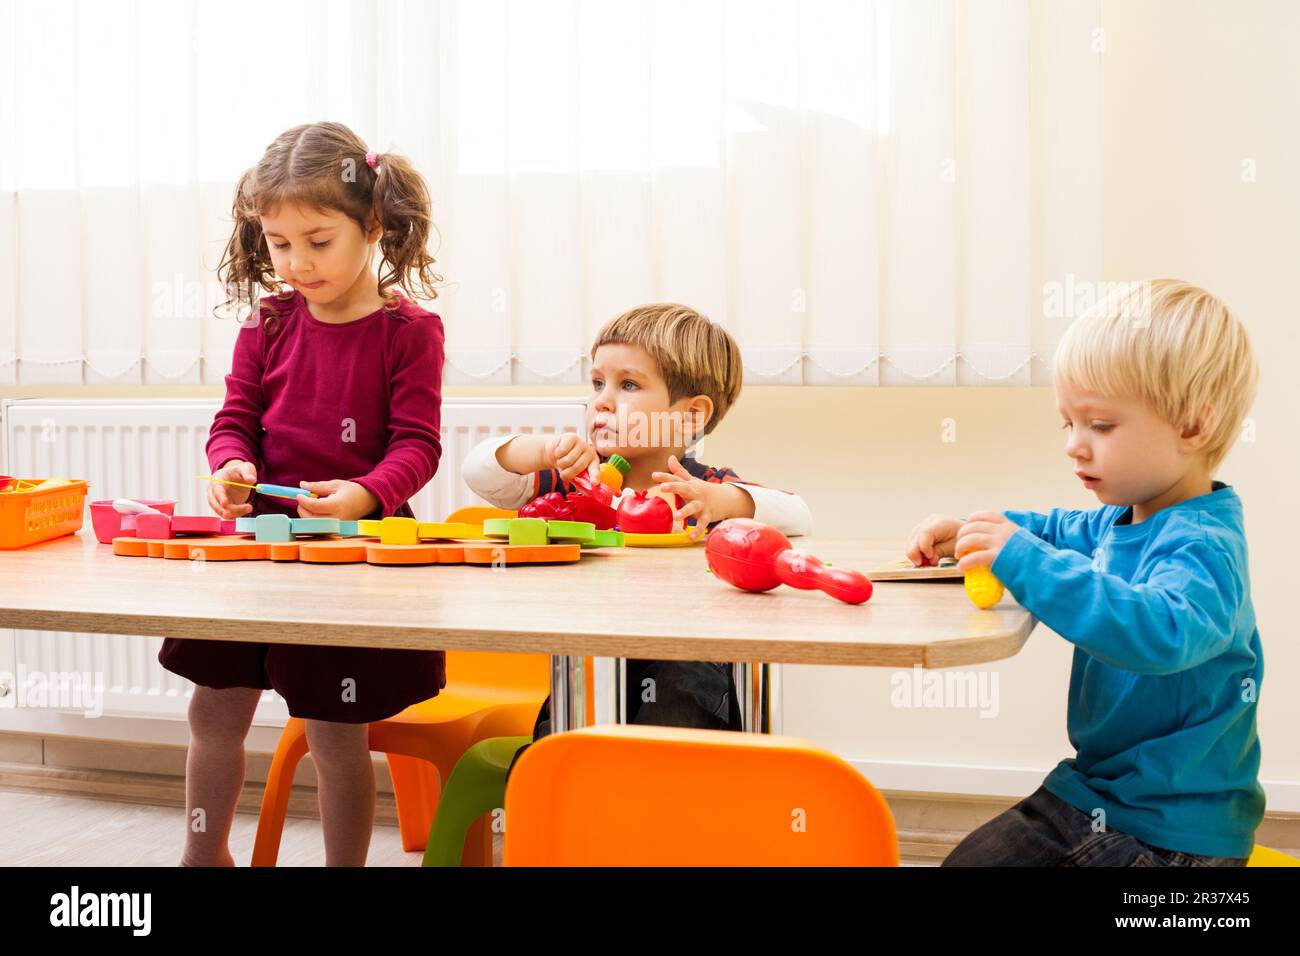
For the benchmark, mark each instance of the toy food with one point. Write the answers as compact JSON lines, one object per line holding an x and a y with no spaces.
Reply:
{"x":644,"y":513}
{"x":754,"y":556}
{"x":551,"y":505}
{"x":612,"y":472}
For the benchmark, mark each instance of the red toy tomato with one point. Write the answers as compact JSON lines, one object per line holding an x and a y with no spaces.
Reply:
{"x":551,"y":506}
{"x":757,"y":557}
{"x":642,"y":513}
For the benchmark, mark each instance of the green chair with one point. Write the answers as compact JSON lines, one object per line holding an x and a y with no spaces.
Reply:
{"x":477,"y":785}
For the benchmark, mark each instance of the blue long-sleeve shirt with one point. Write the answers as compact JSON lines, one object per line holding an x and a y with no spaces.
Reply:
{"x":1167,"y":665}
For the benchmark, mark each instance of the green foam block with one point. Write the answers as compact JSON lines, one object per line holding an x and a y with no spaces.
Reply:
{"x":607,"y":539}
{"x":583,"y":532}
{"x":497,"y":527}
{"x":530,"y":531}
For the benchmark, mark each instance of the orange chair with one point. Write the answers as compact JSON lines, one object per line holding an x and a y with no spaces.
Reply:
{"x":664,"y":796}
{"x":487,"y":695}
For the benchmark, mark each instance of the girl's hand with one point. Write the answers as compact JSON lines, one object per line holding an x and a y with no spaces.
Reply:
{"x":708,"y":501}
{"x":568,"y":453}
{"x":932,"y":539}
{"x":980,"y":540}
{"x":345,"y":500}
{"x":230,"y":501}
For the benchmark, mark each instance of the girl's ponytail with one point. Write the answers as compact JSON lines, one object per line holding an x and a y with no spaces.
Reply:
{"x":402,"y":208}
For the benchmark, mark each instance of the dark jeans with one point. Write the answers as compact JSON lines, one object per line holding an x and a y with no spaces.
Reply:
{"x":1044,"y":830}
{"x":670,"y":694}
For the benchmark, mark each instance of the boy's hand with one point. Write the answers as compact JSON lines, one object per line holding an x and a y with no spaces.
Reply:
{"x":345,"y":500}
{"x":230,"y":501}
{"x":980,"y":540}
{"x":570,"y":455}
{"x":708,"y":501}
{"x":932,"y":539}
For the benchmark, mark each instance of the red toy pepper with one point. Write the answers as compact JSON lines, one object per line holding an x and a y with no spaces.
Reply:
{"x":592,"y":501}
{"x":551,"y":506}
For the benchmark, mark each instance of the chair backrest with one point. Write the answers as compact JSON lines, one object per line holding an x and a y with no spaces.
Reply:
{"x":477,"y":514}
{"x":666,"y":796}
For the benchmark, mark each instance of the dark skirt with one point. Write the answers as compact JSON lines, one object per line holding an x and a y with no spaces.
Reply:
{"x":347,"y":685}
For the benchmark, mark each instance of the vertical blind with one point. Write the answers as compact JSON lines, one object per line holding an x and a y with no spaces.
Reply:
{"x":871,"y":193}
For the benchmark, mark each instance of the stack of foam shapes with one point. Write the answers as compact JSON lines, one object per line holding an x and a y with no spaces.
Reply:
{"x":278,"y":528}
{"x":345,"y":551}
{"x":153,"y":526}
{"x":195,"y":524}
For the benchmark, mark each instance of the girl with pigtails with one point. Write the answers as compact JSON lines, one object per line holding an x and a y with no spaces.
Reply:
{"x":335,"y":387}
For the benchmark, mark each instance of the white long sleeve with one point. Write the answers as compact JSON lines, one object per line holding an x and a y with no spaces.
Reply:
{"x":494,"y":484}
{"x":786,"y":512}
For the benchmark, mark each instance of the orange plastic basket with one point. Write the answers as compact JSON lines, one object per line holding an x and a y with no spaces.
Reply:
{"x":27,"y":517}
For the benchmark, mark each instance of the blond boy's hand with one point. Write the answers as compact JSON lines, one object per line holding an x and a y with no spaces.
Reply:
{"x":570,"y":455}
{"x":980,"y":540}
{"x":934,"y":538}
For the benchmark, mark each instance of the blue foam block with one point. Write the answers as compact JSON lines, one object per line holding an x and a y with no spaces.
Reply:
{"x":314,"y":525}
{"x":274,"y":528}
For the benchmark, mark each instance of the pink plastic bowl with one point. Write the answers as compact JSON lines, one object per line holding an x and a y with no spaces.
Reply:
{"x":108,"y":523}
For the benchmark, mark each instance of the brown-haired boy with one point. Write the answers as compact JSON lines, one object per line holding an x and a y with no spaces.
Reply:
{"x":662,"y":377}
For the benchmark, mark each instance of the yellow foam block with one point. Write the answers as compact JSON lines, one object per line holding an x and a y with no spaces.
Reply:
{"x":370,"y":527}
{"x":399,"y":531}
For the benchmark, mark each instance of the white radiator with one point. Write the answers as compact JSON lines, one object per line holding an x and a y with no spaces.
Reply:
{"x":153,"y":448}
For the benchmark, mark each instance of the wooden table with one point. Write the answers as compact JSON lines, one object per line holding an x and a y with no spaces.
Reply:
{"x":618,"y":604}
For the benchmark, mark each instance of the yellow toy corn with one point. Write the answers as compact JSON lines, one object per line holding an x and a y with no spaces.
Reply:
{"x":983,"y":588}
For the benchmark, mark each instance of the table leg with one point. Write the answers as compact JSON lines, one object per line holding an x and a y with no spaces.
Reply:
{"x":605,"y":686}
{"x":620,"y":690}
{"x":758,"y":689}
{"x":568,"y":693}
{"x":773,"y":714}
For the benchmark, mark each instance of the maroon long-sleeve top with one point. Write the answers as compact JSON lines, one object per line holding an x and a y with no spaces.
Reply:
{"x":314,"y":401}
